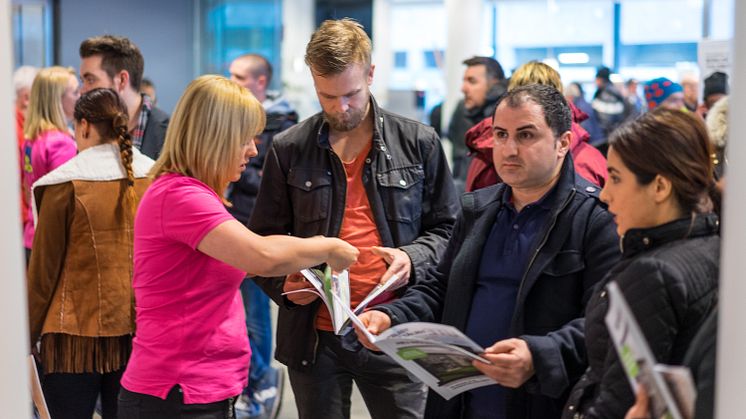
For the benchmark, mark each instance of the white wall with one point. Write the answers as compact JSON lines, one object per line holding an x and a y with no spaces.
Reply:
{"x":162,"y":30}
{"x":731,"y":385}
{"x":14,"y":380}
{"x":297,"y":26}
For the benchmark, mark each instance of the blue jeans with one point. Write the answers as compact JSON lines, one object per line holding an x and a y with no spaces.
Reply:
{"x":259,"y":325}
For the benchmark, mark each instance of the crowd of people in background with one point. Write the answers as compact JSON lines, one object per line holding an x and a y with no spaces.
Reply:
{"x":154,"y":243}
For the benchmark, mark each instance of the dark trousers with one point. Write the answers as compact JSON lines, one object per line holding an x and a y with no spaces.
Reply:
{"x":324,"y":390}
{"x":73,"y":396}
{"x":143,"y":406}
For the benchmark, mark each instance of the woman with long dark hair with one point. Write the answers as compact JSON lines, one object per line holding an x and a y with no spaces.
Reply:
{"x":80,"y":293}
{"x":662,"y":194}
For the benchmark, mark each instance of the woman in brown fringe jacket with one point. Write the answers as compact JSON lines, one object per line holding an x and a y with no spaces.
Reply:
{"x":80,"y":273}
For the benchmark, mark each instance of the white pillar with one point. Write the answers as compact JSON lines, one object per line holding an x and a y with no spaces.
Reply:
{"x":382,"y":54}
{"x":297,"y":27}
{"x":15,"y":400}
{"x":731,"y":385}
{"x":465,"y":38}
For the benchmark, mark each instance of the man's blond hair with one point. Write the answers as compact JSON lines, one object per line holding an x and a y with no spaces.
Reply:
{"x":336,"y":45}
{"x":535,"y":72}
{"x":45,"y":104}
{"x":212,"y":121}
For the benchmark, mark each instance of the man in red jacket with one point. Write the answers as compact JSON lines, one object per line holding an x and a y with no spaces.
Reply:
{"x":588,"y":161}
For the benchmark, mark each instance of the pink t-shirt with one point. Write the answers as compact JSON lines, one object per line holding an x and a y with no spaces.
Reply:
{"x":190,"y":324}
{"x":48,"y":151}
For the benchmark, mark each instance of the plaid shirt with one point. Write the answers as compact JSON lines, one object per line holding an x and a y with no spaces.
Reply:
{"x":139,"y":131}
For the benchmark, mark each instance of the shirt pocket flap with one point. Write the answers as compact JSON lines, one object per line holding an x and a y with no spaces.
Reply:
{"x":565,"y":263}
{"x":403,"y":178}
{"x":308,"y":179}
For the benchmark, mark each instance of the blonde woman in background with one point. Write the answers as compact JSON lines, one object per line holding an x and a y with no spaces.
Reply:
{"x":48,"y":141}
{"x":80,"y":274}
{"x":190,"y":357}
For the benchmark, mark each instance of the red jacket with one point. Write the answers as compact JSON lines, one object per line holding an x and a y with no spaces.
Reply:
{"x":589,"y":162}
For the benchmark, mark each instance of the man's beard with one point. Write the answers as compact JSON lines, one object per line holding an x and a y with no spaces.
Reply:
{"x":352,"y":118}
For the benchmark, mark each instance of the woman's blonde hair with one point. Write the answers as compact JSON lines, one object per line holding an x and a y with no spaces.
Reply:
{"x":535,"y":72}
{"x":212,"y":121}
{"x":45,"y":105}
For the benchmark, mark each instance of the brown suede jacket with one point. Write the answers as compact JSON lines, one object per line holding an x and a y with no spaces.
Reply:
{"x":80,"y":273}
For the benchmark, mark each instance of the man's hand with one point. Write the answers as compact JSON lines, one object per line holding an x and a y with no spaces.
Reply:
{"x":297,"y":282}
{"x":376,"y":322}
{"x":399,"y":265}
{"x":512,"y":364}
{"x":640,"y":409}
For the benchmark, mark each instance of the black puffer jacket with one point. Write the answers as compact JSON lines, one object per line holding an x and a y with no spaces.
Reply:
{"x":669,"y":276}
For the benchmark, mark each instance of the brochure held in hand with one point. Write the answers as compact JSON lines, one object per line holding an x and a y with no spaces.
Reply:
{"x":670,"y":388}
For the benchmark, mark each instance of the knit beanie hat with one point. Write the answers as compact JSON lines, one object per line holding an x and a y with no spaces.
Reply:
{"x":658,"y":90}
{"x":715,"y":83}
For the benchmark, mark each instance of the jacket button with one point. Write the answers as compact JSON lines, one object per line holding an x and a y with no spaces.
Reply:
{"x":367,"y":160}
{"x":328,"y":173}
{"x":304,"y":362}
{"x":308,"y":184}
{"x":646,"y":241}
{"x":571,"y":408}
{"x":590,"y":189}
{"x":403,"y":182}
{"x":603,"y":294}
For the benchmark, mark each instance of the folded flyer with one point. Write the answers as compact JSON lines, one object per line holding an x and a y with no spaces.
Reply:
{"x":334,"y":291}
{"x":670,"y":389}
{"x":440,"y":356}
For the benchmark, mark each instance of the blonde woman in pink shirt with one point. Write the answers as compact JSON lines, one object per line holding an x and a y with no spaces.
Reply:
{"x":48,"y":141}
{"x":191,"y":353}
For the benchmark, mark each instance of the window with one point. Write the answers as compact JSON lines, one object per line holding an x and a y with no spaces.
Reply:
{"x":32,"y":34}
{"x":230,"y":28}
{"x":433,"y":58}
{"x":400,"y":59}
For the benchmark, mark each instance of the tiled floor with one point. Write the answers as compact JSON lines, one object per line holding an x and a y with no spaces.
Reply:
{"x":288,"y":411}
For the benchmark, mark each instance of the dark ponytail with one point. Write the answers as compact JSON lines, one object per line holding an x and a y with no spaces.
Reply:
{"x":104,"y":109}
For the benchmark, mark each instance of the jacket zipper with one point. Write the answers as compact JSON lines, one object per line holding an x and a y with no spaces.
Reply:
{"x":541,"y":245}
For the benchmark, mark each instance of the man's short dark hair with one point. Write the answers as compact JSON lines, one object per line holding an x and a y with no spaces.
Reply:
{"x":260,"y":66}
{"x":494,"y":69}
{"x":557,"y":113}
{"x":117,"y":53}
{"x":604,"y":73}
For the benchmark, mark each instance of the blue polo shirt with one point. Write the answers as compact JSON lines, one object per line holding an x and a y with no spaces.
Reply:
{"x":505,"y":256}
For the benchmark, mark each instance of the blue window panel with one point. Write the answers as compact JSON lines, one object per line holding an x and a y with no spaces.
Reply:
{"x":432,"y":57}
{"x":234,"y":27}
{"x":657,"y":55}
{"x":400,"y":59}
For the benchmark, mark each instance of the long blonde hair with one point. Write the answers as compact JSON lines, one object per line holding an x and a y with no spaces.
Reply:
{"x":212,"y":120}
{"x":45,"y":106}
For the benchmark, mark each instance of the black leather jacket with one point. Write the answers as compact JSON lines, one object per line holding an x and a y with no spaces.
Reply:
{"x":669,"y":276}
{"x":303,"y":192}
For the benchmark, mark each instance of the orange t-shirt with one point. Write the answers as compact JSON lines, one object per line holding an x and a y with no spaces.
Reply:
{"x":360,"y":230}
